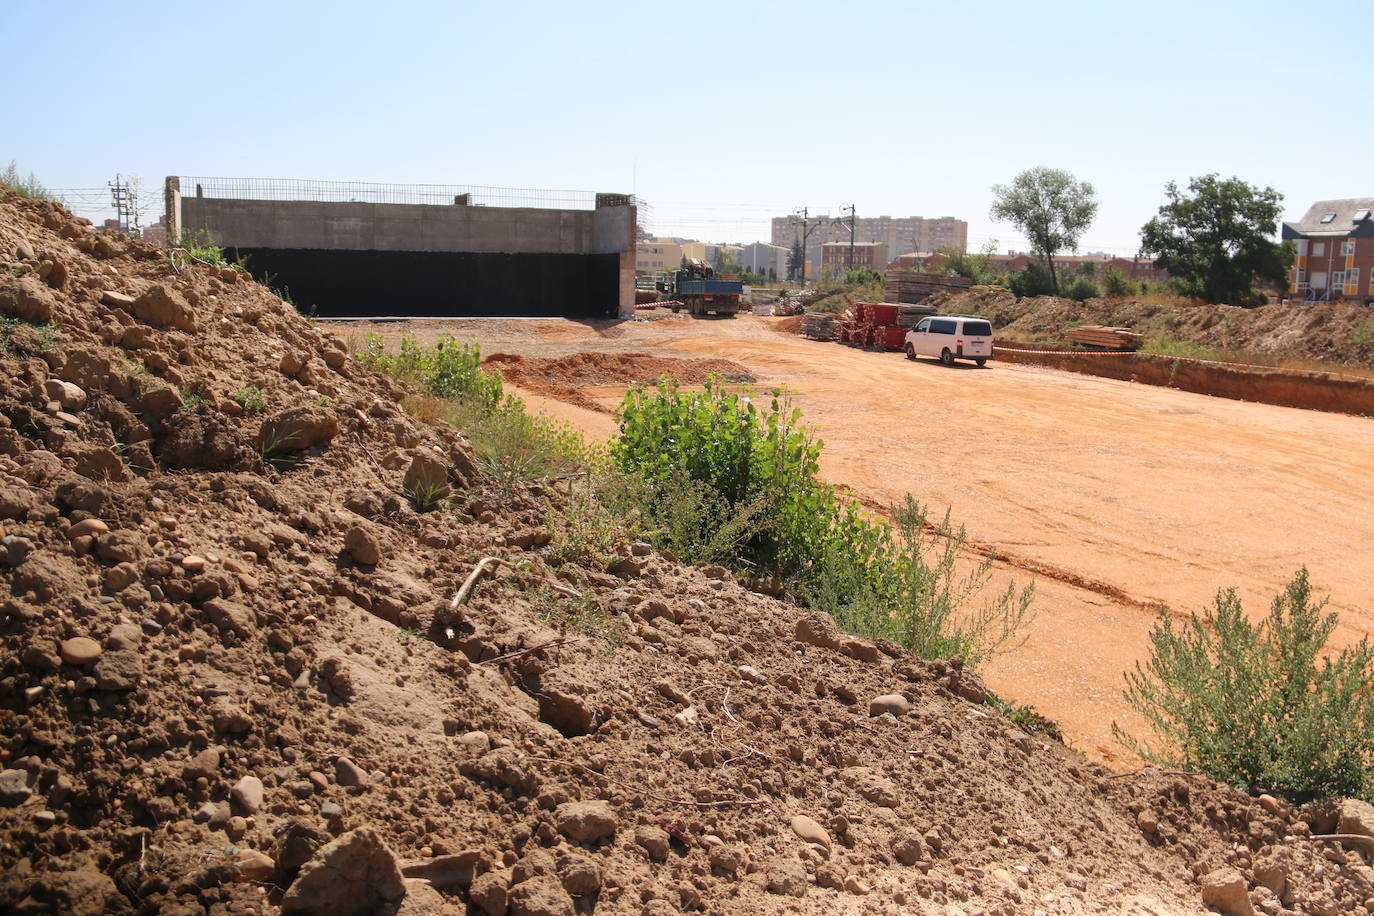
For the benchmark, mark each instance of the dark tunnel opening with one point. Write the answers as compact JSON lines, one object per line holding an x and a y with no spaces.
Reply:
{"x":355,"y":284}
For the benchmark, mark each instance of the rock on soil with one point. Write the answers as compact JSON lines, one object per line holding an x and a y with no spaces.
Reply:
{"x":354,"y":875}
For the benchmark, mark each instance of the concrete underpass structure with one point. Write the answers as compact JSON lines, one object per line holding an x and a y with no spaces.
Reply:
{"x":447,"y":256}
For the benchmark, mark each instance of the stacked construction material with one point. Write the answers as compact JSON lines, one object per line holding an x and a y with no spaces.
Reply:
{"x":910,"y":314}
{"x":820,"y":326}
{"x":911,"y":286}
{"x":1102,"y":338}
{"x":873,"y":324}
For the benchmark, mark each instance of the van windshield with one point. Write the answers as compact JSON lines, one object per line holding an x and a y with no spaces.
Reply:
{"x":977,"y":329}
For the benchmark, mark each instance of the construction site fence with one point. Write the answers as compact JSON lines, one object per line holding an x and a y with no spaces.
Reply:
{"x":293,"y":189}
{"x":1327,"y":391}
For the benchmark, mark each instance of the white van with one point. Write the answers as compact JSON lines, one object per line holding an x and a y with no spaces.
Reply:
{"x":950,"y":337}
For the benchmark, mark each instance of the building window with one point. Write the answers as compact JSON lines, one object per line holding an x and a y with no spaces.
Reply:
{"x":1328,"y":217}
{"x":1347,"y":249}
{"x":1318,"y":249}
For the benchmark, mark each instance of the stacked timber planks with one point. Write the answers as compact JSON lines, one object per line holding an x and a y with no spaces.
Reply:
{"x":909,"y":314}
{"x":1103,"y":338}
{"x":912,"y":286}
{"x":819,"y":325}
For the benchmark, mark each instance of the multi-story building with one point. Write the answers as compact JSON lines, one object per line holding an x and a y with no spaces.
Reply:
{"x":839,"y":256}
{"x":765,"y":259}
{"x":1335,"y":242}
{"x":657,"y":255}
{"x":900,"y":234}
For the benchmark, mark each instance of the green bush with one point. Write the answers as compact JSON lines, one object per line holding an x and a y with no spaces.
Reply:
{"x":1081,"y":288}
{"x":1259,"y":706}
{"x":728,"y":481}
{"x":1116,"y":283}
{"x":448,"y":369}
{"x":510,"y":445}
{"x":1032,"y":280}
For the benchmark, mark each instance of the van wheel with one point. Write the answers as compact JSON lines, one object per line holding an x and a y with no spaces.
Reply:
{"x":910,"y":351}
{"x":947,"y":357}
{"x":981,"y":362}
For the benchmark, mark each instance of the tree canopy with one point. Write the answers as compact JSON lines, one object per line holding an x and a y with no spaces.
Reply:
{"x":1218,"y":238}
{"x":1050,"y":207}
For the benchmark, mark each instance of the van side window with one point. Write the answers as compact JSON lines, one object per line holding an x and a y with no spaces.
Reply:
{"x":938,"y":326}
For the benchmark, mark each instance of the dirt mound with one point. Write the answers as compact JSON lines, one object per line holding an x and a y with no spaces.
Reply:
{"x":1297,"y":336}
{"x":232,"y":678}
{"x":563,"y":377}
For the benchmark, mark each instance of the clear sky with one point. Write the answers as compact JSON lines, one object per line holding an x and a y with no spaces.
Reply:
{"x":719,"y":115}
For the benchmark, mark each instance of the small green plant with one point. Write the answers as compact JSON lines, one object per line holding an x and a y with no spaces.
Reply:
{"x":1261,"y":706}
{"x":273,"y":444}
{"x":251,"y":398}
{"x":191,"y":401}
{"x":47,"y":334}
{"x":427,"y":496}
{"x":579,"y":615}
{"x":199,"y":246}
{"x":1025,"y":716}
{"x":1363,"y":332}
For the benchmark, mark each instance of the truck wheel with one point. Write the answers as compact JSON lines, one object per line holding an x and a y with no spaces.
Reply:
{"x":910,"y":351}
{"x":981,"y":362}
{"x":947,"y":357}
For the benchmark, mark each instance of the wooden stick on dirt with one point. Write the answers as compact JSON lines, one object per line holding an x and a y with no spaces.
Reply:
{"x":465,"y":590}
{"x":553,"y":644}
{"x":1354,"y":839}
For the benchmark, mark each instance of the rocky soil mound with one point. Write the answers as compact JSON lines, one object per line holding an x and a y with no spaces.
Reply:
{"x":233,"y":678}
{"x":1275,"y":334}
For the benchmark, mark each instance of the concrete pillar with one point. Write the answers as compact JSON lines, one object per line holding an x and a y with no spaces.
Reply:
{"x":172,"y":200}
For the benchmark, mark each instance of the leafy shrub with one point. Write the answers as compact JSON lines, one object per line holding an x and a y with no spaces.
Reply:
{"x":200,"y":246}
{"x":1116,"y":283}
{"x":1081,"y":288}
{"x":449,"y":369}
{"x":727,"y":479}
{"x":510,"y":445}
{"x":1032,"y":280}
{"x":1256,"y":705}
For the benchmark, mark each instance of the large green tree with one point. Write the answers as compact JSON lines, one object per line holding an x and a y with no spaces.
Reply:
{"x":1050,"y":207}
{"x":1218,"y":238}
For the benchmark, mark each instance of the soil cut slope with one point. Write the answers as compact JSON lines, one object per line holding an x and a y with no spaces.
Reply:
{"x":233,"y":680}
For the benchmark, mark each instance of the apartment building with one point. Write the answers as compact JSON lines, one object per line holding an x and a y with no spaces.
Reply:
{"x":765,"y":259}
{"x":657,"y":255}
{"x":838,"y":256}
{"x":900,"y":234}
{"x":1335,"y":257}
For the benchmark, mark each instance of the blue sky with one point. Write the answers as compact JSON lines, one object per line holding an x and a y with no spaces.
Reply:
{"x":720,"y":115}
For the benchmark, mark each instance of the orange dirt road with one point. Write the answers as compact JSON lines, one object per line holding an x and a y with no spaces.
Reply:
{"x":1114,"y":498}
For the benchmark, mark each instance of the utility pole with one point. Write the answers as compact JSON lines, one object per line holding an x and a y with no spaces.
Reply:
{"x":851,"y":234}
{"x":125,"y":202}
{"x":806,"y":233}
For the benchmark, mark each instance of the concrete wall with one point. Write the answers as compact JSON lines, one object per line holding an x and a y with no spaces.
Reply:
{"x":264,"y":226}
{"x":394,"y":227}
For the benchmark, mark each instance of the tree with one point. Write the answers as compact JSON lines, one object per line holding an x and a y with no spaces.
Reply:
{"x":1218,"y":239}
{"x":1050,"y":207}
{"x":796,"y":262}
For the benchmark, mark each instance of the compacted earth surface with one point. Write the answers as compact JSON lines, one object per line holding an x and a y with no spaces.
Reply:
{"x":240,"y":672}
{"x":1114,"y":498}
